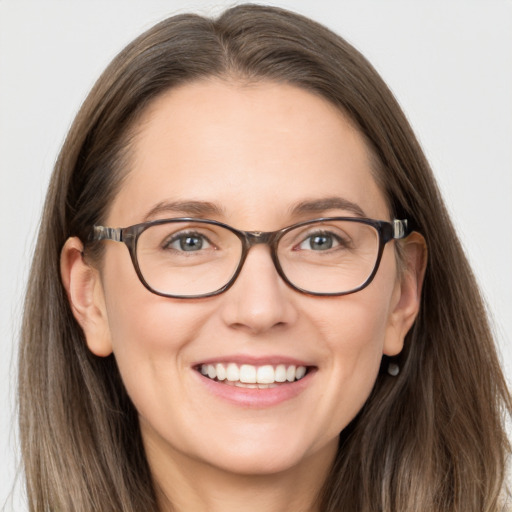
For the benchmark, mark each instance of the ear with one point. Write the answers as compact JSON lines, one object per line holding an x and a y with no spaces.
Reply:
{"x":407,"y":294}
{"x":85,"y":294}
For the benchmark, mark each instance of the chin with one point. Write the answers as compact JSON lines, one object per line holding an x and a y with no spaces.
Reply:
{"x":269,"y":455}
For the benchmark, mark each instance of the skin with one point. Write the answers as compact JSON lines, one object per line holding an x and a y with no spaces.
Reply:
{"x":255,"y":151}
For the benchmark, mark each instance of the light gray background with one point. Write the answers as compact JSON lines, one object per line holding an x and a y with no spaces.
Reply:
{"x":448,"y":62}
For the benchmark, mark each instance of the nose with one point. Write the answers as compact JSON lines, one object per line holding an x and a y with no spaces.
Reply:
{"x":259,"y":300}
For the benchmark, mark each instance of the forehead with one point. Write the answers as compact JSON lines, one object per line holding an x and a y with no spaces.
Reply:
{"x":253,"y":150}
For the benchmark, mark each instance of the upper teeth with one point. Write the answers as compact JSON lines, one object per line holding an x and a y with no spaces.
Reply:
{"x":249,"y":374}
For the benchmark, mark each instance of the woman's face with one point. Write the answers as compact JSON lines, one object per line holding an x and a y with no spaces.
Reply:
{"x":246,"y":155}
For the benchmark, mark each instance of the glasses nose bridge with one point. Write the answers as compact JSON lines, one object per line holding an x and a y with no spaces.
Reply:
{"x":259,"y":237}
{"x":252,"y":238}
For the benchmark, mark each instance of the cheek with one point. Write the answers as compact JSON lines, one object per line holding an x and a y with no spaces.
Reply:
{"x":355,"y":342}
{"x":146,"y":329}
{"x":354,"y":334}
{"x":355,"y":358}
{"x":357,"y":323}
{"x":151,"y":329}
{"x":151,"y":337}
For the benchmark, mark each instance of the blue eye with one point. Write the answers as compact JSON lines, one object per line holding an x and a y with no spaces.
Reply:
{"x":320,"y":242}
{"x":187,"y":242}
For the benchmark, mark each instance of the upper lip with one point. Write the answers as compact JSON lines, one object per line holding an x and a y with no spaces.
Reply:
{"x":240,"y":359}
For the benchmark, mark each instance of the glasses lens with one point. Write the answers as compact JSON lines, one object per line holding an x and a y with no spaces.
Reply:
{"x":187,"y":258}
{"x":329,"y":256}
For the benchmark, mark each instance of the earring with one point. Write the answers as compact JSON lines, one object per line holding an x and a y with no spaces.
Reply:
{"x":393,"y":369}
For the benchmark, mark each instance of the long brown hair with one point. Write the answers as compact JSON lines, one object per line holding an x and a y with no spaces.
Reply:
{"x":431,"y":439}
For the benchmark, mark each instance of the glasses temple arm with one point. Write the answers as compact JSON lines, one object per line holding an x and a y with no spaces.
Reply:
{"x":103,"y":233}
{"x":400,"y":228}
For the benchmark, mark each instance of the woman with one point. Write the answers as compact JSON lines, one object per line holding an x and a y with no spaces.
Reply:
{"x":275,"y":337}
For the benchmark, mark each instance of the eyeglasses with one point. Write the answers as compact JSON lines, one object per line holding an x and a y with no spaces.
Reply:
{"x":192,"y":258}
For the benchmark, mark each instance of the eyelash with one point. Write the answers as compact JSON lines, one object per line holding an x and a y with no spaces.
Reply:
{"x":166,"y":245}
{"x":340,"y":242}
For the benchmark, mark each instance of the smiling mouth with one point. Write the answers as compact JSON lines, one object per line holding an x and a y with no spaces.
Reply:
{"x":254,"y":377}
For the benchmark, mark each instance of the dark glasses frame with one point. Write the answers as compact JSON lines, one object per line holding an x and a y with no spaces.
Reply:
{"x":395,"y":230}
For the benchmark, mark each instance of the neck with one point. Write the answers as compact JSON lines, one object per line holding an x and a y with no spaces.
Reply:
{"x":188,"y":485}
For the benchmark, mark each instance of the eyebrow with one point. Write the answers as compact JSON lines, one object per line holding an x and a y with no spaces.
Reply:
{"x":207,"y":209}
{"x":325,"y":204}
{"x":187,"y":208}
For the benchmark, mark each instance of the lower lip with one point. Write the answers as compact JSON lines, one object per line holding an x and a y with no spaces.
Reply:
{"x":255,"y":397}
